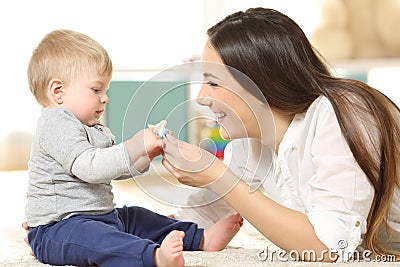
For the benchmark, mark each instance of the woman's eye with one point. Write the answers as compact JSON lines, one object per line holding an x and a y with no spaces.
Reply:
{"x":210,"y":83}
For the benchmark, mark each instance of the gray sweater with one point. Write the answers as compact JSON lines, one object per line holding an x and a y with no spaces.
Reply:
{"x":71,"y":168}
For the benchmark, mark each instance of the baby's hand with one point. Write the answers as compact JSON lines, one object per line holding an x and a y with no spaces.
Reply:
{"x":153,"y":143}
{"x":144,"y":143}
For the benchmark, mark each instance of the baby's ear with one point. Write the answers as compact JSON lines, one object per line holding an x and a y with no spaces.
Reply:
{"x":56,"y":91}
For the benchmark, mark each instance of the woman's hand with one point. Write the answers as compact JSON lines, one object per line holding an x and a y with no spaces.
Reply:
{"x":190,"y":164}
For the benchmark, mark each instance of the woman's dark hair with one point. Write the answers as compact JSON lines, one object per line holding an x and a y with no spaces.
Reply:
{"x":273,"y":51}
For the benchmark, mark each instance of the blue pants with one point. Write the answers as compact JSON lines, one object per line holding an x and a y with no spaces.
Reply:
{"x":125,"y":237}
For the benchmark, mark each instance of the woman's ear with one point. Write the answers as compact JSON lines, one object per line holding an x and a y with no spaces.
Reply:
{"x":56,"y":91}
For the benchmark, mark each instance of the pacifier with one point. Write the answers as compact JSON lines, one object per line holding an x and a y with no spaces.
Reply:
{"x":160,"y":129}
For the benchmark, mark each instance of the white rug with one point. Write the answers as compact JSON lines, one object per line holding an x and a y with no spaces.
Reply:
{"x":242,"y":251}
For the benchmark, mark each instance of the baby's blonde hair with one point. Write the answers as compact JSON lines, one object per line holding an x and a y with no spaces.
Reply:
{"x":64,"y":54}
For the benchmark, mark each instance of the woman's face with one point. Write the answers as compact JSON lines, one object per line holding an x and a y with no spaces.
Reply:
{"x":234,"y":107}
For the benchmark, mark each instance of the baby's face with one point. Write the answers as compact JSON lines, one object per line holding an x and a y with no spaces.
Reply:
{"x":86,"y":97}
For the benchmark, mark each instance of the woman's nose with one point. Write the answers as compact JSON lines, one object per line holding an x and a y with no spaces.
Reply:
{"x":203,"y":97}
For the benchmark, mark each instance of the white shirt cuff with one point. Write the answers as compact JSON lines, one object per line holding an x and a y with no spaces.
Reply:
{"x":341,"y":238}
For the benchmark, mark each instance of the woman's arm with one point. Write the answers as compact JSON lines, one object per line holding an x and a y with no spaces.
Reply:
{"x":287,"y":228}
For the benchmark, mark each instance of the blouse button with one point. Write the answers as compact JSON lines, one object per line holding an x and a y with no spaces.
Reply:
{"x":357,"y":223}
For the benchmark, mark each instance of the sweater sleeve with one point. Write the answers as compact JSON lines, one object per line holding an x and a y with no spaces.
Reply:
{"x":97,"y":165}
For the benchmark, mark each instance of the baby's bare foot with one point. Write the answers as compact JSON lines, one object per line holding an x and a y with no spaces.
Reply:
{"x":221,"y":233}
{"x":169,"y":254}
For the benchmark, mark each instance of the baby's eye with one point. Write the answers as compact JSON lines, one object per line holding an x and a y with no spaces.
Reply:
{"x":210,"y":83}
{"x":96,"y":90}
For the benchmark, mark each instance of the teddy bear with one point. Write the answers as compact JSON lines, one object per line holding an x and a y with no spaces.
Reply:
{"x":354,"y":29}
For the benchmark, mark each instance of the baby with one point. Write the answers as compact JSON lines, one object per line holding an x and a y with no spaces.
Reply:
{"x":70,"y":210}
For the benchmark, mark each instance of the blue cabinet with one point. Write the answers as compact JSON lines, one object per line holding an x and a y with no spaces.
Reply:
{"x":135,"y":104}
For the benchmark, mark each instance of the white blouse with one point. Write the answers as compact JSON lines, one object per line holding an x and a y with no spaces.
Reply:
{"x":314,"y":173}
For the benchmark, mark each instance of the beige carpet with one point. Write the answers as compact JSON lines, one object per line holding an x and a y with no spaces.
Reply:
{"x":242,"y":251}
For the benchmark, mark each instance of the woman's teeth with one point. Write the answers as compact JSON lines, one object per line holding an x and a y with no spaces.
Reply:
{"x":220,"y":115}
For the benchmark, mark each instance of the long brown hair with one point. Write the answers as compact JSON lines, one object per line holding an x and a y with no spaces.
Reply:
{"x":273,"y":51}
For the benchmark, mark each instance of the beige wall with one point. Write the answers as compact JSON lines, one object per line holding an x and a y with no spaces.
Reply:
{"x":14,"y":151}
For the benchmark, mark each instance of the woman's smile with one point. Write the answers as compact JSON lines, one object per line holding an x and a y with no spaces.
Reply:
{"x":220,"y":116}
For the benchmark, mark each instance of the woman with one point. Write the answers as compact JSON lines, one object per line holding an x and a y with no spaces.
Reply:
{"x":335,"y":181}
